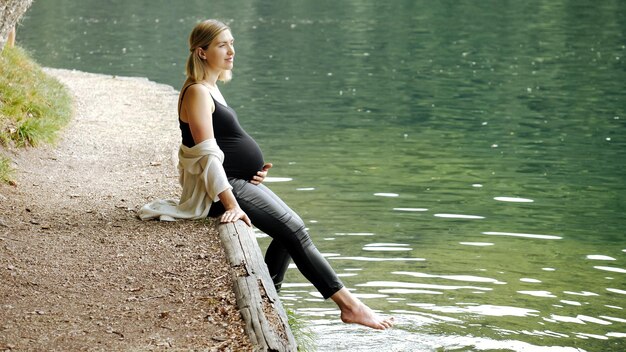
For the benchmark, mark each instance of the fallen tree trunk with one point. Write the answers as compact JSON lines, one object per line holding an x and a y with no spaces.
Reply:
{"x":257,"y":299}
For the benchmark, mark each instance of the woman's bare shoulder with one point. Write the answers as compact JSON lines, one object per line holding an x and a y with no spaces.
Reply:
{"x":196,"y":102}
{"x":197,"y":94}
{"x":196,"y":89}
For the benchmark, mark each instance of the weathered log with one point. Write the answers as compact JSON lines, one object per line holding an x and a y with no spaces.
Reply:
{"x":257,"y":299}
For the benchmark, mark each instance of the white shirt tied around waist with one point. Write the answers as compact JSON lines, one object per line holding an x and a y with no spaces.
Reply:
{"x":202,"y":177}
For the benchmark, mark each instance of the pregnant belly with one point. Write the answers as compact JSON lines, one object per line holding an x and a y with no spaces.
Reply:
{"x":242,"y":157}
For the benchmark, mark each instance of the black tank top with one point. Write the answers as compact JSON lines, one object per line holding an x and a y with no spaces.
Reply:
{"x":242,"y":155}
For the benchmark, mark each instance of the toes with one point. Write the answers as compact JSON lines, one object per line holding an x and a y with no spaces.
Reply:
{"x":388,"y":323}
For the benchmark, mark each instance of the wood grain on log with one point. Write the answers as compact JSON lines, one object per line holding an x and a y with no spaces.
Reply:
{"x":257,"y":299}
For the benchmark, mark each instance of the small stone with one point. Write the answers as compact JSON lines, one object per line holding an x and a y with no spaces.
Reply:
{"x":11,"y":267}
{"x":164,"y":315}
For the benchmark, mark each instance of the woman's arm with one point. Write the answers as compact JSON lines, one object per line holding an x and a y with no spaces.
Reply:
{"x":233,"y":211}
{"x":197,"y":110}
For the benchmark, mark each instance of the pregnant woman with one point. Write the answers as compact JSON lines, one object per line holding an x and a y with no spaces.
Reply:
{"x":222,"y":171}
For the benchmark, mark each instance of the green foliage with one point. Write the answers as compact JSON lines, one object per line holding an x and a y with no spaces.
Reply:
{"x":305,"y":338}
{"x":33,"y":105}
{"x":5,"y":170}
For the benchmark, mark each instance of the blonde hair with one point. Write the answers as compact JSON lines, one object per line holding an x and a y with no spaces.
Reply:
{"x":201,"y":36}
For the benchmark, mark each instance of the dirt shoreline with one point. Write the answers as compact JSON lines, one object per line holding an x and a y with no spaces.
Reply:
{"x":78,"y":270}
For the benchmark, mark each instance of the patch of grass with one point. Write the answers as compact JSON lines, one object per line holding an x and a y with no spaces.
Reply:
{"x":33,"y":105}
{"x":305,"y":338}
{"x":5,"y":169}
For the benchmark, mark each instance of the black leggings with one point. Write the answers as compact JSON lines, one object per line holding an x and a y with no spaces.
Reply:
{"x":289,"y":237}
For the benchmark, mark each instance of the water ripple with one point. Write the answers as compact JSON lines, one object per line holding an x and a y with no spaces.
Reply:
{"x":296,"y":284}
{"x":485,"y":344}
{"x":513,"y":199}
{"x":354,"y":234}
{"x":398,"y":284}
{"x":579,"y":319}
{"x":469,"y":278}
{"x":409,"y":291}
{"x":386,"y":194}
{"x":599,"y":257}
{"x":477,"y":244}
{"x":277,"y":179}
{"x":615,"y":290}
{"x":563,"y":319}
{"x":593,"y":320}
{"x":529,"y":280}
{"x":387,"y":247}
{"x":618,"y":320}
{"x":571,"y":303}
{"x":546,"y":294}
{"x":410,"y":209}
{"x":582,"y":293}
{"x":525,"y":235}
{"x":593,"y":336}
{"x":346,"y":274}
{"x":431,"y":318}
{"x":458,"y":216}
{"x":610,"y":268}
{"x":371,"y":259}
{"x":616,"y":334}
{"x":486,"y":309}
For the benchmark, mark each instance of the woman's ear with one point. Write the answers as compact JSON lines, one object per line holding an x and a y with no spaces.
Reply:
{"x":201,"y":53}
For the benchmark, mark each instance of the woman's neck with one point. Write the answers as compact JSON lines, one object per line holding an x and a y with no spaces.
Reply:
{"x":211,"y":79}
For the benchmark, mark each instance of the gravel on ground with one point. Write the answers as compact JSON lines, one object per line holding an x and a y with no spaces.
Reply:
{"x":78,"y":269}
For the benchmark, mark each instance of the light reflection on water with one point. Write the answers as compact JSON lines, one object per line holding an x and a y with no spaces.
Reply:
{"x":513,"y":199}
{"x":470,"y":278}
{"x":560,"y":320}
{"x":525,"y":235}
{"x":396,"y":340}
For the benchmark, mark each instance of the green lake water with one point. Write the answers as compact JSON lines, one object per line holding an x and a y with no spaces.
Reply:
{"x":460,"y":163}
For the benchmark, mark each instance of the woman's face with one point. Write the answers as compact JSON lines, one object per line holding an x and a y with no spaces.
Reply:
{"x":220,"y":54}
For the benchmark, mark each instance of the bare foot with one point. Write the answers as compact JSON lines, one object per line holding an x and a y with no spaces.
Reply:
{"x":363,"y":315}
{"x":353,"y":311}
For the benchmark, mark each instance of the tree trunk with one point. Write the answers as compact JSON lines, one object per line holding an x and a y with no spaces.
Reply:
{"x":257,"y":299}
{"x":10,"y":13}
